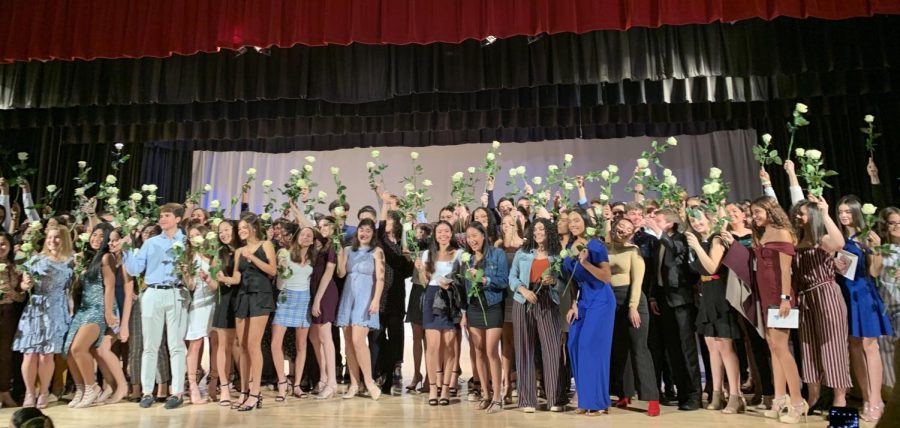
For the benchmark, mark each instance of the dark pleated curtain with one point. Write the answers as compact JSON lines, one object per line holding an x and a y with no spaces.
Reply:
{"x":168,"y":165}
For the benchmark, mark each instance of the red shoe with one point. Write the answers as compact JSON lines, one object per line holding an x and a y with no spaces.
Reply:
{"x":653,"y":408}
{"x":623,"y":402}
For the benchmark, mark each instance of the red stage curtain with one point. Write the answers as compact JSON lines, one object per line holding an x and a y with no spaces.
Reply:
{"x":89,"y":29}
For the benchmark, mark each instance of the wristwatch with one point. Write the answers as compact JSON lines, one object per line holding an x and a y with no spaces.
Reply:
{"x":786,"y":297}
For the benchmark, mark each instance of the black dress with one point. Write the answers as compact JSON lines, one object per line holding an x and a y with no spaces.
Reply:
{"x":223,"y":316}
{"x":715,"y":317}
{"x":255,"y":296}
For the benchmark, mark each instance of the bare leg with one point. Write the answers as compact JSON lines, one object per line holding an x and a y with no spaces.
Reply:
{"x":224,"y":362}
{"x":874,"y":370}
{"x":278,"y":357}
{"x":492,"y":352}
{"x":433,"y":361}
{"x":418,"y":342}
{"x":195,"y":348}
{"x":508,"y":358}
{"x":300,"y":361}
{"x":477,"y":340}
{"x":858,"y":367}
{"x":732,"y":365}
{"x":242,"y":330}
{"x":253,"y":350}
{"x":782,"y":357}
{"x":716,"y":364}
{"x":107,"y":358}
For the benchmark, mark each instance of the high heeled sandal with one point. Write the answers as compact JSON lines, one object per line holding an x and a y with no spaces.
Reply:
{"x":301,"y":395}
{"x":226,"y":402}
{"x":735,"y":405}
{"x":445,"y":401}
{"x":326,"y":392}
{"x":432,"y":401}
{"x":795,"y":413}
{"x":79,"y":394}
{"x":495,"y":407}
{"x":257,"y":405}
{"x":717,"y":401}
{"x":280,"y":398}
{"x":778,"y":405}
{"x":43,"y":401}
{"x":415,"y":384}
{"x":239,"y":403}
{"x":351,"y":392}
{"x":454,"y":391}
{"x":873,"y":413}
{"x":91,"y":394}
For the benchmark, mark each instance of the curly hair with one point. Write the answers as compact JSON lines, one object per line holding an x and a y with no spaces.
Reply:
{"x":776,"y":216}
{"x":551,"y":237}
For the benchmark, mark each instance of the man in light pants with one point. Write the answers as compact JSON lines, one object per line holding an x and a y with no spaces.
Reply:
{"x":163,"y":303}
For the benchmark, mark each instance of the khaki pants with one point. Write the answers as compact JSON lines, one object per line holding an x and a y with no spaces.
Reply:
{"x":164,"y":308}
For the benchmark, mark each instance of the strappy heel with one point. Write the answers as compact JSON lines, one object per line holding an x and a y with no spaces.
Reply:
{"x":495,"y":407}
{"x":735,"y":405}
{"x":257,"y":405}
{"x":238,"y":404}
{"x":415,"y":384}
{"x":778,"y":405}
{"x":225,"y":402}
{"x":454,"y":391}
{"x":445,"y":401}
{"x":432,"y":389}
{"x":795,"y":413}
{"x":280,"y":398}
{"x":301,"y":395}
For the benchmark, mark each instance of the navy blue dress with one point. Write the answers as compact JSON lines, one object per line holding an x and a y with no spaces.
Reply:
{"x":590,"y":336}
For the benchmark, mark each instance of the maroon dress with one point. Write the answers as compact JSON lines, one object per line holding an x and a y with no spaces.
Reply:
{"x":329,"y":302}
{"x":767,"y":275}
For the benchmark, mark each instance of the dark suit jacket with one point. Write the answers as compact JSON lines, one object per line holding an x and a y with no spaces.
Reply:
{"x":678,"y":279}
{"x":649,"y":248}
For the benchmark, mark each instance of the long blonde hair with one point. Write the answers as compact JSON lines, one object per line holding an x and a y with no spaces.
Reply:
{"x":65,"y":242}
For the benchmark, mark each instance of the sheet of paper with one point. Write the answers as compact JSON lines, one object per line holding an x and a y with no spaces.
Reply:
{"x":850,"y":260}
{"x":791,"y":321}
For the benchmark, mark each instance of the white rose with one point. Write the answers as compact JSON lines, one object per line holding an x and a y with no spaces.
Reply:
{"x":370,"y":165}
{"x":801,"y":108}
{"x":800,"y":152}
{"x":111,"y":190}
{"x":197,"y":241}
{"x":301,"y":183}
{"x":814,"y":154}
{"x":144,"y":188}
{"x":512,"y":172}
{"x":426,"y":183}
{"x":51,"y":188}
{"x":79,"y":191}
{"x":322,"y":194}
{"x":604,"y":197}
{"x":113,"y":200}
{"x":111,"y":179}
{"x":310,"y":159}
{"x":294,"y":171}
{"x":520,"y":170}
{"x":151,"y":198}
{"x":375,"y":153}
{"x":568,"y":186}
{"x":471,"y":170}
{"x":495,"y":144}
{"x":267,"y":183}
{"x":714,"y":187}
{"x":207,"y":188}
{"x":335,"y":170}
{"x":869,"y":209}
{"x":407,"y":227}
{"x":308,"y":168}
{"x":84,"y":237}
{"x":284,"y":253}
{"x":869,"y":118}
{"x":667,"y":172}
{"x":409,"y":187}
{"x":265,"y":216}
{"x":178,"y":245}
{"x":23,"y":156}
{"x":251,"y":171}
{"x":465,"y":257}
{"x":647,"y":172}
{"x":152,"y":188}
{"x":118,"y":146}
{"x":132,"y":221}
{"x":537,"y":181}
{"x":767,"y":138}
{"x":671,"y":180}
{"x":568,"y":158}
{"x":643,"y":163}
{"x":590,"y":231}
{"x":338,"y":210}
{"x":210,"y":236}
{"x":413,"y":155}
{"x":36,"y":225}
{"x":604,"y":175}
{"x":715,"y":173}
{"x":215,"y":221}
{"x":82,"y":164}
{"x":2,"y":267}
{"x":458,"y":176}
{"x":27,"y":247}
{"x":671,"y":141}
{"x":707,"y":190}
{"x":136,"y":197}
{"x":214,"y":204}
{"x":612,"y":169}
{"x":490,"y":156}
{"x":552,"y":168}
{"x":563,"y":254}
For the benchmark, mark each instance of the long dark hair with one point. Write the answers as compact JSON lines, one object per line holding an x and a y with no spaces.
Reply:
{"x":366,"y":222}
{"x":814,"y":221}
{"x":94,"y":269}
{"x":397,"y":230}
{"x":226,"y":252}
{"x":552,"y":245}
{"x":856,"y":215}
{"x":434,"y":248}
{"x":255,"y":223}
{"x":485,"y":244}
{"x":585,"y":217}
{"x":491,"y":227}
{"x":11,"y":255}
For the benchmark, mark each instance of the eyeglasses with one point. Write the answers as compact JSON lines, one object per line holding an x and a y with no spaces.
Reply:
{"x":893,"y":223}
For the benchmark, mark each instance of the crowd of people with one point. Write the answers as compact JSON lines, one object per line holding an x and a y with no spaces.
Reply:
{"x":595,"y":300}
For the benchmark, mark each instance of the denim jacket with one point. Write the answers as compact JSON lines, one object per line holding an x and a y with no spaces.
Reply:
{"x":520,"y":274}
{"x":496,"y":272}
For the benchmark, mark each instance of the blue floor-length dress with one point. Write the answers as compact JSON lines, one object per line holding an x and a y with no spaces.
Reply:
{"x":590,"y":336}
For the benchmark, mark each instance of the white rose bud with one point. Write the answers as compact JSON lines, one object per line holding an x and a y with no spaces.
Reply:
{"x":715,"y":173}
{"x":590,"y":231}
{"x":869,"y":209}
{"x":23,"y":156}
{"x":2,"y":267}
{"x":207,"y":188}
{"x":27,"y":247}
{"x":814,"y":154}
{"x":370,"y":165}
{"x":414,"y":155}
{"x":409,"y":187}
{"x":495,"y":144}
{"x":113,"y":200}
{"x":295,"y":171}
{"x":647,"y":172}
{"x":84,"y":237}
{"x":309,"y":168}
{"x":643,"y":163}
{"x":706,"y":189}
{"x":267,"y":183}
{"x":197,"y":241}
{"x":35,"y":225}
{"x":465,"y":257}
{"x":426,"y":183}
{"x":407,"y":227}
{"x":568,"y":158}
{"x":152,"y":188}
{"x":178,"y":245}
{"x":715,"y":187}
{"x":132,"y":221}
{"x":521,"y":170}
{"x":512,"y":172}
{"x":79,"y":191}
{"x":604,"y":175}
{"x":251,"y":171}
{"x":136,"y":197}
{"x":490,"y":156}
{"x":375,"y":153}
{"x":767,"y":138}
{"x":301,"y":183}
{"x":214,"y":204}
{"x":612,"y":169}
{"x":335,"y":170}
{"x":672,"y":141}
{"x":310,"y":159}
{"x":82,"y":164}
{"x":869,"y":118}
{"x":111,"y":179}
{"x":151,"y":198}
{"x":118,"y":146}
{"x":552,"y":168}
{"x":800,"y":152}
{"x":210,"y":236}
{"x":537,"y":181}
{"x":671,"y":180}
{"x":322,"y":194}
{"x":801,"y":108}
{"x":568,"y":186}
{"x":51,"y":188}
{"x":215,"y":221}
{"x":667,"y":172}
{"x":471,"y":170}
{"x":265,"y":216}
{"x":338,"y":210}
{"x":604,"y":197}
{"x":457,"y":177}
{"x":284,"y":253}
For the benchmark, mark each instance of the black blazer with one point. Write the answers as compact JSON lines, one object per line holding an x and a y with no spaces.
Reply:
{"x":678,"y":278}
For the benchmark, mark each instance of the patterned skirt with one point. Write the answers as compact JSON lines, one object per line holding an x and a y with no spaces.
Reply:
{"x":293,"y":309}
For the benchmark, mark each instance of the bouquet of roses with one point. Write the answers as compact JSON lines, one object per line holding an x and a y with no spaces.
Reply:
{"x":763,"y":154}
{"x":812,"y":171}
{"x":375,"y":168}
{"x":476,"y":280}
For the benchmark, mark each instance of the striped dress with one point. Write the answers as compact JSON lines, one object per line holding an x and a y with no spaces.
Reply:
{"x":890,"y":294}
{"x":823,"y":320}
